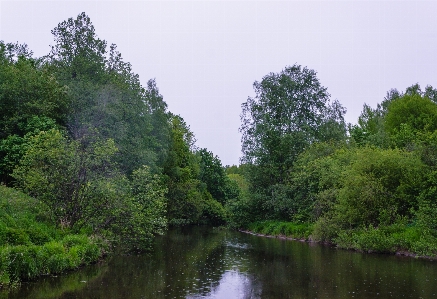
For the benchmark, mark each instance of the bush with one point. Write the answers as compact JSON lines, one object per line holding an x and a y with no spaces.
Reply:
{"x":378,"y":188}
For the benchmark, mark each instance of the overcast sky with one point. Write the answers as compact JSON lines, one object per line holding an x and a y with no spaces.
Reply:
{"x":205,"y":55}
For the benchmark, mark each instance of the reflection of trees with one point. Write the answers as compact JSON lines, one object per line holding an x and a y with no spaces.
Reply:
{"x":201,"y":262}
{"x":289,"y":269}
{"x":50,"y":287}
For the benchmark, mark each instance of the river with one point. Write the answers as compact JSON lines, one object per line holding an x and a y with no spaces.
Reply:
{"x":202,"y":262}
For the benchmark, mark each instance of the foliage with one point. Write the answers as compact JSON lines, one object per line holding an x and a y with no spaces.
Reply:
{"x":409,"y":117}
{"x":107,"y":99}
{"x":314,"y":181}
{"x":28,"y":262}
{"x":287,"y":114}
{"x":13,"y":147}
{"x":400,"y":114}
{"x":32,"y":246}
{"x":370,"y":128}
{"x":240,"y":208}
{"x":388,"y":239}
{"x":377,"y":188}
{"x":213,"y":175}
{"x":290,"y":111}
{"x":145,"y":215}
{"x":27,"y":90}
{"x":426,"y":212}
{"x":184,"y":197}
{"x":75,"y":180}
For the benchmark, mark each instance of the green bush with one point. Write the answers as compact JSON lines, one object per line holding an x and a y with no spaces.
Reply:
{"x":39,"y":235}
{"x":16,"y":237}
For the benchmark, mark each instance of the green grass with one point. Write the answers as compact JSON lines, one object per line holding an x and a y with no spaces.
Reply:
{"x":31,"y":245}
{"x":281,"y":228}
{"x":390,"y":239}
{"x":408,"y":239}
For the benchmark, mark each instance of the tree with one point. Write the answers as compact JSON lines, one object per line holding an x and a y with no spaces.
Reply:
{"x":286,"y":115}
{"x":76,"y":46}
{"x":76,"y":180}
{"x":13,"y":147}
{"x":181,"y":171}
{"x":107,"y":99}
{"x":27,"y":90}
{"x":144,"y":212}
{"x":419,"y":113}
{"x":397,"y":119}
{"x":213,"y":175}
{"x":290,"y":111}
{"x":378,"y":187}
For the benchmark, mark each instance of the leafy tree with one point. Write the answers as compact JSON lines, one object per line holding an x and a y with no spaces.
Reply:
{"x":314,"y":182}
{"x":14,"y":147}
{"x":184,"y":195}
{"x":378,"y":188}
{"x":78,"y":52}
{"x":286,"y":116}
{"x":370,"y":128}
{"x":77,"y":182}
{"x":290,"y":111}
{"x":27,"y":90}
{"x":144,"y":213}
{"x":419,"y":113}
{"x":214,"y":176}
{"x":376,"y":125}
{"x":107,"y":99}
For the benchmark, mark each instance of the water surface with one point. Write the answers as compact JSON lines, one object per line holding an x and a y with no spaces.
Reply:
{"x":206,"y":263}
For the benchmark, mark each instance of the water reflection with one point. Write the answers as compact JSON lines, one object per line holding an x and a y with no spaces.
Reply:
{"x":206,"y":263}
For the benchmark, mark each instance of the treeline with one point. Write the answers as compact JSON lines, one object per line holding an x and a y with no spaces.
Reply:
{"x":370,"y":186}
{"x":101,"y":152}
{"x":108,"y":166}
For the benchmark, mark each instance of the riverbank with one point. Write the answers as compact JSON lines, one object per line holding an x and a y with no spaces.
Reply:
{"x":396,"y":239}
{"x":281,"y":229}
{"x":31,"y":246}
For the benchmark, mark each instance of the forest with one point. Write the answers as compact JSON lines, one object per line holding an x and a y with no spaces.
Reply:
{"x":93,"y":163}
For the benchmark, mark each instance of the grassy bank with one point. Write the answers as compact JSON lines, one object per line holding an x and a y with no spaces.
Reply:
{"x":31,"y":245}
{"x":394,"y":239}
{"x":397,"y":238}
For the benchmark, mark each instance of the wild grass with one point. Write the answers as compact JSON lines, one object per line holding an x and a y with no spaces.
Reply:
{"x":401,"y":238}
{"x":31,"y":245}
{"x":397,"y":238}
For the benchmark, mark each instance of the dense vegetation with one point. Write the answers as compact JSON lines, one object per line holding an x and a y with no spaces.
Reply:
{"x":370,"y":186}
{"x":32,"y":245}
{"x":91,"y":160}
{"x":100,"y":155}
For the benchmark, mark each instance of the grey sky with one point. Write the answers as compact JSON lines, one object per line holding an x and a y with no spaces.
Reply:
{"x":206,"y":55}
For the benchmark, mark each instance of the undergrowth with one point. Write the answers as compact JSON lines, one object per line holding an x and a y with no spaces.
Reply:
{"x":31,"y":245}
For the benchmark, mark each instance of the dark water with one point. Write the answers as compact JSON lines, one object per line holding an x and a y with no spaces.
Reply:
{"x":207,"y":263}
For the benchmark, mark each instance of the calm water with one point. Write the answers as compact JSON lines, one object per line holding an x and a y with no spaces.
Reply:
{"x":207,"y":263}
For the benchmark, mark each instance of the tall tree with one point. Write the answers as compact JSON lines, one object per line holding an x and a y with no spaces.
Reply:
{"x":108,"y":100}
{"x":290,"y":110}
{"x":214,"y":176}
{"x":77,"y":50}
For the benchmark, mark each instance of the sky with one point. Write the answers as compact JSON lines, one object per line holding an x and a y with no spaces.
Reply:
{"x":206,"y":55}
